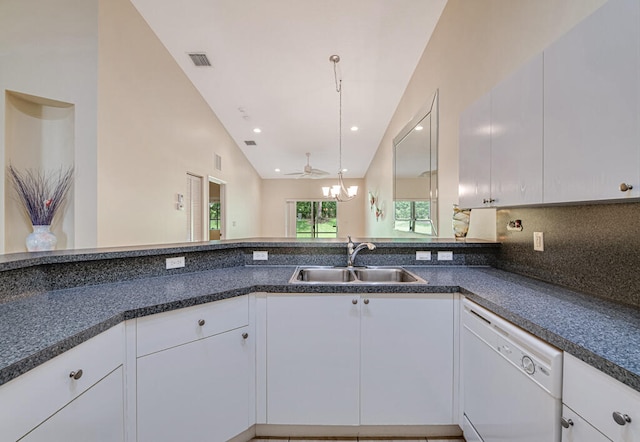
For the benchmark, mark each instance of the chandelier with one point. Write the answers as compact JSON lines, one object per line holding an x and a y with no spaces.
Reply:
{"x":339,"y":191}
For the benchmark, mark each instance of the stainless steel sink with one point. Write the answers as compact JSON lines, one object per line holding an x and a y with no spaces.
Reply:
{"x":353,"y":275}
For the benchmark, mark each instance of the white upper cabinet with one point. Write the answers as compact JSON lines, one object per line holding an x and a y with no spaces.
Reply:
{"x":516,"y":137}
{"x":501,"y":143}
{"x":566,"y":126}
{"x":474,"y":188}
{"x":591,"y":107}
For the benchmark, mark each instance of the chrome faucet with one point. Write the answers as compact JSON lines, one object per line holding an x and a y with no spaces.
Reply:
{"x":352,"y":252}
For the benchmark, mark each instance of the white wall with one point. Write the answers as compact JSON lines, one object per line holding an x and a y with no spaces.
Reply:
{"x":474,"y":46}
{"x":275,"y":194}
{"x":48,"y":48}
{"x":153,"y":128}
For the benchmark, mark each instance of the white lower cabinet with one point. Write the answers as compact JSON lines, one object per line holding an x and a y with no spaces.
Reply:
{"x":376,"y":359}
{"x":313,"y":359}
{"x":95,"y":415}
{"x":576,"y":429}
{"x":77,"y":393}
{"x":194,"y":373}
{"x":406,"y":350}
{"x":195,"y":391}
{"x":605,"y":403}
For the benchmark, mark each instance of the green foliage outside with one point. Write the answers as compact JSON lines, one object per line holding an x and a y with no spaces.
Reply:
{"x":325,"y":215}
{"x":214,"y":216}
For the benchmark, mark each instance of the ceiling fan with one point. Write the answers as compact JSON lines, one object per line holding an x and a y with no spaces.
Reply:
{"x":308,"y":171}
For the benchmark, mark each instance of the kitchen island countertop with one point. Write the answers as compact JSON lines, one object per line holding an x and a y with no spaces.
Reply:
{"x":37,"y":328}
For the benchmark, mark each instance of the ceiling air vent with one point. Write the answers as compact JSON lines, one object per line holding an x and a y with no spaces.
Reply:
{"x":199,"y":59}
{"x":250,"y":143}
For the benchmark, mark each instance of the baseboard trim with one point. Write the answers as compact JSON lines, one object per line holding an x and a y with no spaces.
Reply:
{"x":271,"y":430}
{"x":246,"y":435}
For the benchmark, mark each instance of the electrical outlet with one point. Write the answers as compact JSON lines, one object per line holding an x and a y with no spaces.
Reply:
{"x":260,"y":255}
{"x":175,"y":263}
{"x":538,"y":241}
{"x":445,"y":256}
{"x":423,"y":256}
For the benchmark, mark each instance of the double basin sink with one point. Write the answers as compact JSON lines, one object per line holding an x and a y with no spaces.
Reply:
{"x":354,"y":275}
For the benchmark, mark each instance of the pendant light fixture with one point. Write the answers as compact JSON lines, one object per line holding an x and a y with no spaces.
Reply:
{"x":339,"y":192}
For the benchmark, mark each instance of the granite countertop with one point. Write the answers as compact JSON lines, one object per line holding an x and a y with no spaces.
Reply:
{"x":37,"y":328}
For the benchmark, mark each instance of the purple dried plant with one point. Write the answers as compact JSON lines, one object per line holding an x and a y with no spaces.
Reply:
{"x":41,"y":193}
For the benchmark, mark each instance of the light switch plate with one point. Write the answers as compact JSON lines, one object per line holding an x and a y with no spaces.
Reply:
{"x":423,"y":256}
{"x":174,"y":263}
{"x":445,"y":256}
{"x":260,"y":255}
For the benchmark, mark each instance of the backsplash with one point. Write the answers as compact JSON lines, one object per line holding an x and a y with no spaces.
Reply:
{"x":591,"y":248}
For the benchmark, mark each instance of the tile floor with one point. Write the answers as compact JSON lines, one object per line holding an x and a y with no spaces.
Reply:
{"x":354,"y":439}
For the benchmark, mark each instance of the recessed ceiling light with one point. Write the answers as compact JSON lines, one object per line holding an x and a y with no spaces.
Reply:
{"x":345,"y":170}
{"x":419,"y":128}
{"x":354,"y":128}
{"x":257,"y":130}
{"x":277,"y":170}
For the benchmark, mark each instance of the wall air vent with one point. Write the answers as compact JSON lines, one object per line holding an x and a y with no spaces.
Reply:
{"x":250,"y":143}
{"x":199,"y":59}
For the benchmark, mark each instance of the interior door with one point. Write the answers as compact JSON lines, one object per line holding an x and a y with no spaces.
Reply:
{"x":195,"y":209}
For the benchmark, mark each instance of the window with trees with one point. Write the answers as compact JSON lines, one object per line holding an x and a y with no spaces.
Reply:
{"x":214,"y":215}
{"x":413,"y":216}
{"x":316,"y":219}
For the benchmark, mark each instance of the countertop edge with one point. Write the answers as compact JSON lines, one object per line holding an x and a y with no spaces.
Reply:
{"x":24,"y":365}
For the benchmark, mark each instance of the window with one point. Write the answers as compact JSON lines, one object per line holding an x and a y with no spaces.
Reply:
{"x":214,"y":215}
{"x":413,"y":216}
{"x":316,"y":219}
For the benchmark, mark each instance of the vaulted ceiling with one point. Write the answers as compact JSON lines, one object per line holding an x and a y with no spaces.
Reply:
{"x":270,"y":70}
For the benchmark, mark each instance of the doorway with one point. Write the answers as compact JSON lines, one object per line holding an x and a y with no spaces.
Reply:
{"x":216,"y":210}
{"x":316,"y":219}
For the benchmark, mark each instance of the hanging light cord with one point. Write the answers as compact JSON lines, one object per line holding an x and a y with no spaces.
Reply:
{"x":335,"y":59}
{"x":344,"y":194}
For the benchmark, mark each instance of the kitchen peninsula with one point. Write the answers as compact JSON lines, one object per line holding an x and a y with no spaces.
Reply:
{"x":53,"y":302}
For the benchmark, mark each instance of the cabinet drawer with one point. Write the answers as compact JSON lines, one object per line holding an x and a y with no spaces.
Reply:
{"x":579,"y":430}
{"x":168,"y":329}
{"x":596,"y":396}
{"x":31,"y":398}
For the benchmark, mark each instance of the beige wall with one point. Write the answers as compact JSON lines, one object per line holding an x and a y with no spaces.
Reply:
{"x":49,"y":49}
{"x":475,"y":44}
{"x":153,"y":129}
{"x":275,"y":194}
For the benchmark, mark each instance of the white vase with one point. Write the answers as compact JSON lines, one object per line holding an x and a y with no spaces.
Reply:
{"x":41,"y":239}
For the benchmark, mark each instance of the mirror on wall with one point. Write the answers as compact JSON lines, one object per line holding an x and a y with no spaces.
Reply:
{"x":415,"y":173}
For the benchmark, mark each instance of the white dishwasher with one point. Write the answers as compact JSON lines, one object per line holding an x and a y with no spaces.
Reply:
{"x":512,"y":381}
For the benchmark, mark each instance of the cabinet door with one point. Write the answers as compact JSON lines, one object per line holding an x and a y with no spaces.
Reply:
{"x":516,"y":137}
{"x":95,"y":415}
{"x":407,"y":359}
{"x":603,"y":397}
{"x":475,"y":154}
{"x":580,"y":430}
{"x":196,"y":391}
{"x":30,"y":399}
{"x":313,"y":354}
{"x":591,"y":107}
